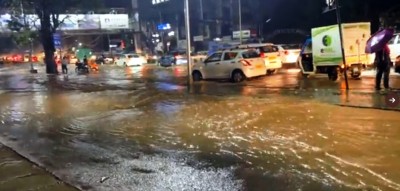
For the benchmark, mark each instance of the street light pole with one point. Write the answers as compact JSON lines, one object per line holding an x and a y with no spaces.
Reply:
{"x":240,"y":21}
{"x":31,"y":53}
{"x":201,"y":18}
{"x":188,"y":44}
{"x":339,"y":21}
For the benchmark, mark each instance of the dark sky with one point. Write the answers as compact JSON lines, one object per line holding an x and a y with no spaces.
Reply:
{"x":117,"y":3}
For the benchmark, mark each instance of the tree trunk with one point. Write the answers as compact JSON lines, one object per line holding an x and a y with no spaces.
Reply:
{"x":46,"y":34}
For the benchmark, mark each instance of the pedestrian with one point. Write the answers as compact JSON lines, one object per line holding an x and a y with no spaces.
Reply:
{"x":383,"y":65}
{"x":64,"y":65}
{"x":85,"y":61}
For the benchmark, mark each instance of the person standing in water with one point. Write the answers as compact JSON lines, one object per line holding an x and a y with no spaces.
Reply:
{"x":383,"y":65}
{"x":64,"y":65}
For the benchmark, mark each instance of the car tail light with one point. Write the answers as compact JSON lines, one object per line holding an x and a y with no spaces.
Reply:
{"x":262,"y":55}
{"x":245,"y":63}
{"x":286,"y":52}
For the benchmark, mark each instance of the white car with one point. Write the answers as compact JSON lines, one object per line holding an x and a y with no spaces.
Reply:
{"x":394,"y":46}
{"x":236,"y":65}
{"x":269,"y":52}
{"x":289,"y":53}
{"x":130,"y":60}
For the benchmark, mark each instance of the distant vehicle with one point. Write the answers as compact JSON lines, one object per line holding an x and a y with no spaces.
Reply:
{"x":322,"y":53}
{"x":236,"y":65}
{"x":289,"y":53}
{"x":130,"y":60}
{"x":269,"y":52}
{"x":152,"y":59}
{"x":167,"y":61}
{"x":81,"y":68}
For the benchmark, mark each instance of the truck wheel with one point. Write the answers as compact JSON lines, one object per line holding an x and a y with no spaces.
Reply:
{"x":304,"y":75}
{"x":333,"y":73}
{"x":355,"y":75}
{"x":333,"y":76}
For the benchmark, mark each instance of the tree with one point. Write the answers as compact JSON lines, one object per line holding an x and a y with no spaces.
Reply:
{"x":22,"y":34}
{"x":48,"y":12}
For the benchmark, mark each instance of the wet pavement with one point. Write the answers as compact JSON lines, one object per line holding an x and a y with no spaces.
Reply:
{"x":139,"y":129}
{"x":17,"y":173}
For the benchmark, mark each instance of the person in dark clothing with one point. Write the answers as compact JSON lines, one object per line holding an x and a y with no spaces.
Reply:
{"x":383,"y":64}
{"x":85,"y":61}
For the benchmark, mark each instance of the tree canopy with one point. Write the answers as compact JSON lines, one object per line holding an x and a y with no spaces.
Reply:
{"x":48,"y":12}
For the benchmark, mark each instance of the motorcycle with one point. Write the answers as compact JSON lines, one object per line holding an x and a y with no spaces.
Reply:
{"x":81,"y":68}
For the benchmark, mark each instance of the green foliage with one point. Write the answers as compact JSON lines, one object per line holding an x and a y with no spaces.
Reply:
{"x":24,"y":38}
{"x":52,"y":8}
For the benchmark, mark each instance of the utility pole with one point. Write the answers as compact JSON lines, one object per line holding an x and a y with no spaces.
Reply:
{"x":177,"y":33}
{"x":201,"y":18}
{"x":339,"y":21}
{"x":188,"y":44}
{"x":240,"y":21}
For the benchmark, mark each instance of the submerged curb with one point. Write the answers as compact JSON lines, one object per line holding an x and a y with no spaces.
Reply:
{"x":37,"y":164}
{"x":369,"y":107}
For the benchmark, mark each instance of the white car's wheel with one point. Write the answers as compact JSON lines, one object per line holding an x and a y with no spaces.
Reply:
{"x":237,"y":76}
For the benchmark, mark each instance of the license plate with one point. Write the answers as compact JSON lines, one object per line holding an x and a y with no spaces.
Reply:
{"x":272,"y":58}
{"x":355,"y":69}
{"x":259,"y":66}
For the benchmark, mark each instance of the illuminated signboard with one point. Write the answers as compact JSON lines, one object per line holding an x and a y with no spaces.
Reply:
{"x":164,"y":26}
{"x":155,"y":2}
{"x":74,"y":21}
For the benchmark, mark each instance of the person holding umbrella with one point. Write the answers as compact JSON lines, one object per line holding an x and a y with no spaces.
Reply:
{"x":378,"y":44}
{"x":383,"y":65}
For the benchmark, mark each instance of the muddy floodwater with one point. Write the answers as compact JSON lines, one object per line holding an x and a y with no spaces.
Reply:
{"x":156,"y":136}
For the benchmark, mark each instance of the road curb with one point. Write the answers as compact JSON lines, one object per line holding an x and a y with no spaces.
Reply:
{"x":3,"y":142}
{"x":369,"y":107}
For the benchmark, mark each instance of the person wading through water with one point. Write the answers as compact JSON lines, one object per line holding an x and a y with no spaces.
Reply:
{"x":383,"y":65}
{"x":64,"y":65}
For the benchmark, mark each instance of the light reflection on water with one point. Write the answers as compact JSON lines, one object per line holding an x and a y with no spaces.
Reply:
{"x":289,"y":139}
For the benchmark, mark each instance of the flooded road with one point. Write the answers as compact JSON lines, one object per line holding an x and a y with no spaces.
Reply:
{"x":117,"y":130}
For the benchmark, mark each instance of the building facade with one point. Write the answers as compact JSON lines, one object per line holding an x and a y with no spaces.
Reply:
{"x":209,"y":19}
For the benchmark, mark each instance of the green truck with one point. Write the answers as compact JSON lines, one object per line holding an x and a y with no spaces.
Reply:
{"x":322,"y":52}
{"x":80,"y":53}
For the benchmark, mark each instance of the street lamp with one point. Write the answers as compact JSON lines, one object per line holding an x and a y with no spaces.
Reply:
{"x":261,"y":27}
{"x":339,"y":20}
{"x":31,"y":55}
{"x":335,"y":5}
{"x":188,"y":44}
{"x":240,"y":21}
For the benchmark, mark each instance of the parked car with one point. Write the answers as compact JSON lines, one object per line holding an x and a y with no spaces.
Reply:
{"x":397,"y":65}
{"x":269,"y":52}
{"x":167,"y":61}
{"x":130,"y":60}
{"x":136,"y":60}
{"x":394,"y":45}
{"x":236,"y":65}
{"x":289,"y":53}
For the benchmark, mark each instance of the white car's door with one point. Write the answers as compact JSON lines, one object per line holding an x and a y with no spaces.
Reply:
{"x":212,"y":67}
{"x":394,"y":46}
{"x":228,"y":64}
